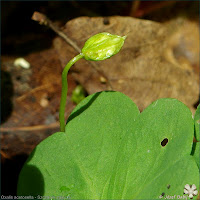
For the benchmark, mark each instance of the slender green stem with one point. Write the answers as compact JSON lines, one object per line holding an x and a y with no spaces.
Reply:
{"x":64,"y":91}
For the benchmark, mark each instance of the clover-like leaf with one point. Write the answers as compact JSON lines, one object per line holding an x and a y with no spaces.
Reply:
{"x":110,"y":151}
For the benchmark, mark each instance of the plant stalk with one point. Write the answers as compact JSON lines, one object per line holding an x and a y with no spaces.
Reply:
{"x":64,"y":91}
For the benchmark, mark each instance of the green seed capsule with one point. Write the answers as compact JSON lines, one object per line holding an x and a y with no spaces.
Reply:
{"x":102,"y":46}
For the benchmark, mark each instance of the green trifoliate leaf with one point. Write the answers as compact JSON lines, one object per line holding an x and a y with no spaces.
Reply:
{"x":102,"y":46}
{"x":111,"y":151}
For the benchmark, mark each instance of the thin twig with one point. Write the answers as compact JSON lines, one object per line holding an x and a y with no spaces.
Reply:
{"x":30,"y":128}
{"x":42,"y":87}
{"x":43,"y":20}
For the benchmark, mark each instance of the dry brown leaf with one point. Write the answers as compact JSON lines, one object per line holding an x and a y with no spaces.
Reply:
{"x":141,"y":70}
{"x":183,"y":43}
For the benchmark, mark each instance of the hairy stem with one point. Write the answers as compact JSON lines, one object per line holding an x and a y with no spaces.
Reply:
{"x":64,"y":91}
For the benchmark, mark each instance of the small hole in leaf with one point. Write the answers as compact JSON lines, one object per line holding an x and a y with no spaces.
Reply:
{"x":163,"y":194}
{"x":164,"y":142}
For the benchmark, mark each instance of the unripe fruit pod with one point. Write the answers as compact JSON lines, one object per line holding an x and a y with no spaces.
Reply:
{"x":102,"y":46}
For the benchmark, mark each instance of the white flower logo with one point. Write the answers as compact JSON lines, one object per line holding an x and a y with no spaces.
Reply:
{"x":191,"y":190}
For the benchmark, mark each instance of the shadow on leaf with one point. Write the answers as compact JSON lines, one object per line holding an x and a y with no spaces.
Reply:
{"x":86,"y":106}
{"x":83,"y":108}
{"x":31,"y":181}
